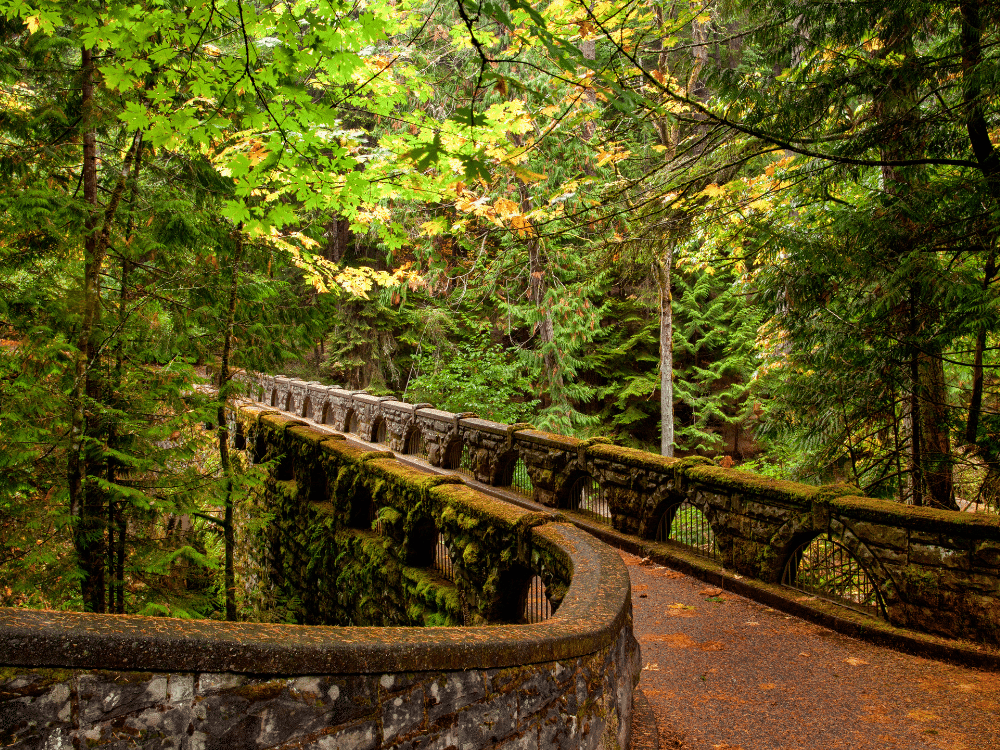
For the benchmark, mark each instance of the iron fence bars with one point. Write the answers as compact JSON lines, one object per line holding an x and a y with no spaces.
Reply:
{"x":537,"y":606}
{"x":685,"y":524}
{"x":375,"y":522}
{"x":585,"y":494}
{"x":825,"y":568}
{"x":465,"y":462}
{"x":443,"y":563}
{"x":415,"y":445}
{"x":515,"y":476}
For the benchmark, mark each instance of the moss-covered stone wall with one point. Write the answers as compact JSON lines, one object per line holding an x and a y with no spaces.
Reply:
{"x":936,"y":571}
{"x":309,"y":553}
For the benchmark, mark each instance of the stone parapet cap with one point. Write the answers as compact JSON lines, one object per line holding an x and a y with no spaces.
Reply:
{"x":401,"y":406}
{"x":979,"y":526}
{"x":548,"y":439}
{"x":437,"y":415}
{"x":485,"y":425}
{"x":592,"y":613}
{"x":342,"y":392}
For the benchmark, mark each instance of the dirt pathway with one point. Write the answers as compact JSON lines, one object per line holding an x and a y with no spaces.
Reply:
{"x":725,"y":673}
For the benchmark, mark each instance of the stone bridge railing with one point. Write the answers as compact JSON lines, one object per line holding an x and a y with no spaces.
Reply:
{"x":341,"y":535}
{"x":931,"y":570}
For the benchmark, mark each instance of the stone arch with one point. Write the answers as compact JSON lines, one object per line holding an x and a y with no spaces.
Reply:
{"x":856,"y":550}
{"x":351,"y":421}
{"x":792,"y":533}
{"x":361,"y":511}
{"x":451,"y":454}
{"x":421,"y":543}
{"x":379,"y":432}
{"x":502,"y":465}
{"x":869,"y":560}
{"x":664,"y":501}
{"x":274,"y":397}
{"x":289,"y":402}
{"x":239,"y":437}
{"x":413,"y":441}
{"x":581,"y":490}
{"x":307,"y":408}
{"x":326,"y":415}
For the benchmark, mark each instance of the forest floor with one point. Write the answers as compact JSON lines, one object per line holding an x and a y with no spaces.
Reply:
{"x":722,"y":672}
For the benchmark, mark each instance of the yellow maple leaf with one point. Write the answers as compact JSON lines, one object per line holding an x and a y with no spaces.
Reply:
{"x":506,"y":207}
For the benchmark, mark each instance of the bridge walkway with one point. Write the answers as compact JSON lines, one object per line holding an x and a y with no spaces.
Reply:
{"x":723,"y":672}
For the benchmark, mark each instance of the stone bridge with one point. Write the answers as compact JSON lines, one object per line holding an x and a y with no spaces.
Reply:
{"x":930,"y":570}
{"x":533,"y":649}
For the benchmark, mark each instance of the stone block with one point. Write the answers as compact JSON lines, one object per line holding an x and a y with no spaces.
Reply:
{"x":961,"y":581}
{"x":487,"y":722}
{"x":888,"y":556}
{"x":358,"y":737}
{"x":879,"y":534}
{"x":445,"y":739}
{"x":925,"y":537}
{"x":986,"y":554}
{"x":402,"y":714}
{"x":450,"y":693}
{"x":526,"y":740}
{"x":559,"y":728}
{"x":937,"y":556}
{"x":534,"y":694}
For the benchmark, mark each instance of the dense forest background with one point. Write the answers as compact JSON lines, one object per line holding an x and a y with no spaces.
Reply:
{"x":762,"y":231}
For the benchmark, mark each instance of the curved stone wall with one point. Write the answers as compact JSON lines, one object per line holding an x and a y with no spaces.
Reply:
{"x":935,"y":571}
{"x":73,"y":680}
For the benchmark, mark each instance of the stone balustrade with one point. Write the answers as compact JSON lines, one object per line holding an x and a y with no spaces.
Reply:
{"x":344,"y":538}
{"x":931,"y":570}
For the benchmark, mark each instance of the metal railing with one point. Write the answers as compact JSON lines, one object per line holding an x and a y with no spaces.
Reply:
{"x":465,"y":463}
{"x":515,"y":475}
{"x":686,"y":524}
{"x":415,"y":445}
{"x":537,"y":606}
{"x":826,"y":569}
{"x":443,"y":563}
{"x":374,"y":521}
{"x":586,"y":495}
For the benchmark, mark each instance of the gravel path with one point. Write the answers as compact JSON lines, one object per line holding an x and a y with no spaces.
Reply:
{"x":725,"y":673}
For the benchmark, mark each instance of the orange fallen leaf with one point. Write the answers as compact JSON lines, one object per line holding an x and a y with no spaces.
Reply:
{"x":712,"y":646}
{"x":677,"y":640}
{"x":922,"y":715}
{"x":710,"y":592}
{"x":767,"y":686}
{"x":854,"y":662}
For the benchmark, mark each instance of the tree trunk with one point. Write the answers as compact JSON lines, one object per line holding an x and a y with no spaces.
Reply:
{"x":85,"y":500}
{"x":934,"y":432}
{"x":87,"y":514}
{"x":662,"y":269}
{"x":223,"y":413}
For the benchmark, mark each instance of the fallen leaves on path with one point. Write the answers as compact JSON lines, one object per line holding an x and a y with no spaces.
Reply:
{"x":710,"y":592}
{"x":854,"y":662}
{"x":682,"y":640}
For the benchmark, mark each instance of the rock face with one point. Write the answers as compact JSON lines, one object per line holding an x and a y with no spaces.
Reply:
{"x":936,"y":571}
{"x":79,"y":680}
